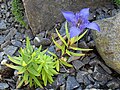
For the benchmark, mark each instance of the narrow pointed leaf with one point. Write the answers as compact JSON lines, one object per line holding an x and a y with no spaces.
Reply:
{"x":67,"y":32}
{"x":15,"y":60}
{"x":75,"y":54}
{"x":65,"y":63}
{"x":33,"y":71}
{"x":52,"y":54}
{"x":20,"y":83}
{"x":14,"y":67}
{"x":81,"y":49}
{"x":61,"y":38}
{"x":56,"y":44}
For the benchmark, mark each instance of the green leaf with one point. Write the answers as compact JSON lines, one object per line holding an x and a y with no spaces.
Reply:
{"x":44,"y":77}
{"x":63,"y":49}
{"x":15,"y":60}
{"x":67,"y":32}
{"x":20,"y":83}
{"x":81,"y":49}
{"x":28,"y":46}
{"x":22,"y":70}
{"x":65,"y":63}
{"x":50,"y":79}
{"x":25,"y":77}
{"x":37,"y":81}
{"x":68,"y":52}
{"x":56,"y":44}
{"x":40,"y":68}
{"x":53,"y":71}
{"x":33,"y":71}
{"x":14,"y":67}
{"x":52,"y":54}
{"x":61,"y":38}
{"x":75,"y":54}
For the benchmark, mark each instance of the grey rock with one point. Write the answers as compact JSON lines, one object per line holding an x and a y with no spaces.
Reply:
{"x":107,"y":41}
{"x":71,"y":83}
{"x":80,"y":76}
{"x":16,"y":43}
{"x":10,"y":34}
{"x":1,"y":55}
{"x":77,"y":64}
{"x":10,"y":50}
{"x":3,"y":25}
{"x":41,"y":41}
{"x":1,"y":39}
{"x":5,"y":44}
{"x":91,"y":44}
{"x":83,"y":44}
{"x":44,"y":16}
{"x":62,"y":87}
{"x":86,"y":60}
{"x":3,"y":86}
{"x":113,"y":84}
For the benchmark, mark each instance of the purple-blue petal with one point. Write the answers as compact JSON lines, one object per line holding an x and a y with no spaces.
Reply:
{"x":69,"y":16}
{"x":74,"y":31}
{"x":84,"y":13}
{"x":93,"y":26}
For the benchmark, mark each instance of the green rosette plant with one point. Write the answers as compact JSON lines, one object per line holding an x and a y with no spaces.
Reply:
{"x":34,"y":66}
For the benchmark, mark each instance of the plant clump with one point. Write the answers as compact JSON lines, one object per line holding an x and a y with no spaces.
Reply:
{"x":17,"y":11}
{"x":34,"y":66}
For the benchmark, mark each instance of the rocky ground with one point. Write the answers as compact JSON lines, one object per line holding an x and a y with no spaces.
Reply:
{"x":89,"y":72}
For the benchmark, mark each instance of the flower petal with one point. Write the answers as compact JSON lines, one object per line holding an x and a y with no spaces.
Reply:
{"x":69,"y":16}
{"x":93,"y":26}
{"x":74,"y":31}
{"x":84,"y":13}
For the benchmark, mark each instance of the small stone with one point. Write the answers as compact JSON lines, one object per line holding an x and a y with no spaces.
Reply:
{"x":41,"y":41}
{"x":71,"y":83}
{"x":85,"y":60}
{"x":72,"y":58}
{"x":77,"y":64}
{"x":2,"y":6}
{"x":29,"y":34}
{"x":3,"y":86}
{"x":62,"y":87}
{"x":91,"y":44}
{"x":16,"y":43}
{"x":83,"y":44}
{"x":10,"y":50}
{"x":80,"y":76}
{"x":11,"y":34}
{"x":113,"y":84}
{"x":3,"y":25}
{"x":7,"y":14}
{"x":1,"y":55}
{"x":4,"y":61}
{"x":1,"y":39}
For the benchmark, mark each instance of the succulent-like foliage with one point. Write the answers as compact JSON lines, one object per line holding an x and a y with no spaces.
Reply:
{"x":17,"y":11}
{"x":33,"y":66}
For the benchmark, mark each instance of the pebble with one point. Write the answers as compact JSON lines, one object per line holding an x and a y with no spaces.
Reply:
{"x":113,"y":84}
{"x":77,"y":64}
{"x":3,"y":86}
{"x":80,"y":76}
{"x":71,"y":83}
{"x":3,"y":25}
{"x":10,"y":34}
{"x":41,"y":41}
{"x":16,"y":43}
{"x":1,"y":55}
{"x":10,"y":50}
{"x":1,"y":39}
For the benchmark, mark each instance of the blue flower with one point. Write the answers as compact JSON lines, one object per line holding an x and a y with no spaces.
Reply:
{"x":79,"y":21}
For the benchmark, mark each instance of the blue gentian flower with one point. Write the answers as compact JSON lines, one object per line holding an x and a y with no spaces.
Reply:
{"x":79,"y":21}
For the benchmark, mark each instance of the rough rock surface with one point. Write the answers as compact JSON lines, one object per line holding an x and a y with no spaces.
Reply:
{"x":43,"y":14}
{"x":108,"y":41}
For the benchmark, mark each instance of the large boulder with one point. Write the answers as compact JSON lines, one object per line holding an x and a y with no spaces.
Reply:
{"x":108,"y":41}
{"x":43,"y":14}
